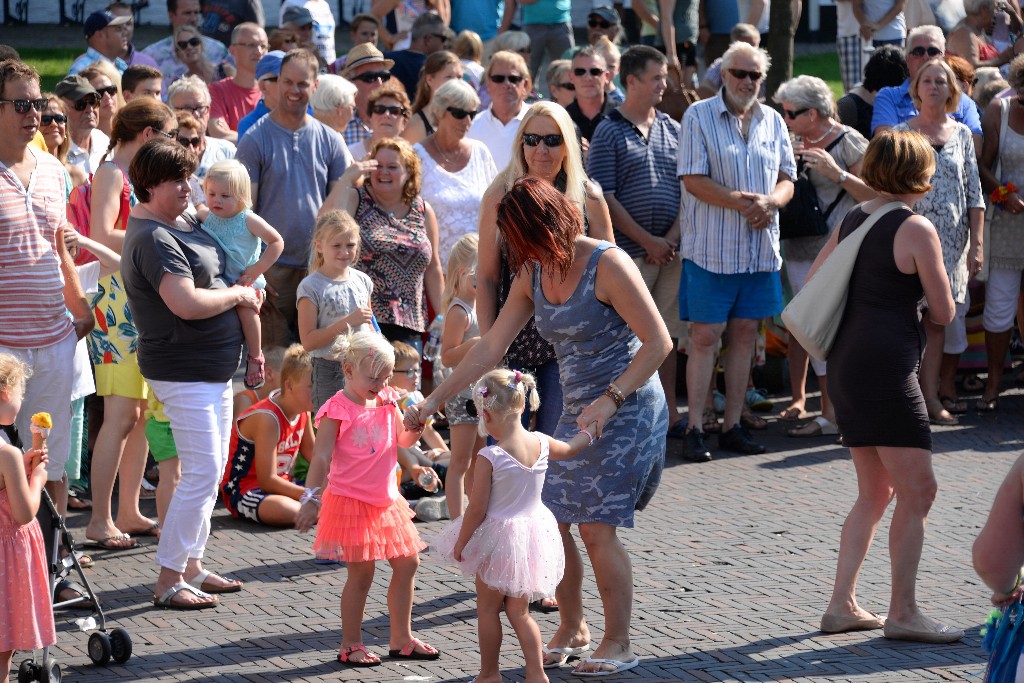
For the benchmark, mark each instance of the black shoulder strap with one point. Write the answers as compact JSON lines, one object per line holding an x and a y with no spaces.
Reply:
{"x":842,"y":192}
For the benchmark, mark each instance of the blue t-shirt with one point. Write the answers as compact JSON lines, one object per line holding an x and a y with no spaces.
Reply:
{"x":482,"y":16}
{"x":721,"y":15}
{"x":547,"y":12}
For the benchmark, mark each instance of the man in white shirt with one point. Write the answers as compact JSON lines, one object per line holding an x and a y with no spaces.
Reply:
{"x":82,"y":102}
{"x":508,"y":83}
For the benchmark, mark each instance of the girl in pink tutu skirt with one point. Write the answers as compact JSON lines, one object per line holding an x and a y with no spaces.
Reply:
{"x":26,"y":617}
{"x":362,"y":517}
{"x":507,"y":538}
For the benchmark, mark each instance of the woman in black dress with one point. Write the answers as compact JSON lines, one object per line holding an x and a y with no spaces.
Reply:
{"x":873,"y":383}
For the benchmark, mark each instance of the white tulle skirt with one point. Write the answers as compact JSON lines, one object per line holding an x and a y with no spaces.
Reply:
{"x":521,"y":557}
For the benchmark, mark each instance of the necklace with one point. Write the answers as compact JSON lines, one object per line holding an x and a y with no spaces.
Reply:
{"x":446,"y":156}
{"x":827,"y":133}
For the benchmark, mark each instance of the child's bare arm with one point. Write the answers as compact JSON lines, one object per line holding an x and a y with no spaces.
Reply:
{"x":262,"y":430}
{"x":406,"y":436}
{"x":319,"y":467}
{"x":432,"y":439}
{"x":110,"y":260}
{"x":453,"y":348}
{"x":313,"y":337}
{"x":562,"y":450}
{"x":999,"y":549}
{"x":275,"y":246}
{"x":22,"y":492}
{"x":476,"y":512}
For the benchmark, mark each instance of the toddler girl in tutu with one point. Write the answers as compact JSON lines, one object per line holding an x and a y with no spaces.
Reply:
{"x":507,"y":538}
{"x":363,"y":518}
{"x":26,"y":618}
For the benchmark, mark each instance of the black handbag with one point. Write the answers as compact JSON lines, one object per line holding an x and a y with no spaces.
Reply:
{"x":802,"y":216}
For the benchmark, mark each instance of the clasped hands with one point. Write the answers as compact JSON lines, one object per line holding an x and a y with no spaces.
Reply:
{"x":758,"y":209}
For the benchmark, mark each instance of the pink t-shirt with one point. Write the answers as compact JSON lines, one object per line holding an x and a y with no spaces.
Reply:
{"x":365,"y":457}
{"x":230,"y":102}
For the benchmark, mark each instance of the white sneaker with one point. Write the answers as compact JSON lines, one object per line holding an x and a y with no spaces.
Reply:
{"x":431,"y":509}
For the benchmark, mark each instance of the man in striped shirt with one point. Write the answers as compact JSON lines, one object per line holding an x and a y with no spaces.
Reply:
{"x":736,"y":161}
{"x":38,"y":282}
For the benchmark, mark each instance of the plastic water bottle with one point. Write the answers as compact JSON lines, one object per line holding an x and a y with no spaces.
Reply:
{"x":428,"y":481}
{"x":432,"y":349}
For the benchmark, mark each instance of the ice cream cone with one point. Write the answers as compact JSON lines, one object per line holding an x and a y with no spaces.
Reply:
{"x":41,"y":425}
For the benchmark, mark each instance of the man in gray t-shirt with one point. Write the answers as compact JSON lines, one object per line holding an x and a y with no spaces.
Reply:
{"x":293,"y":161}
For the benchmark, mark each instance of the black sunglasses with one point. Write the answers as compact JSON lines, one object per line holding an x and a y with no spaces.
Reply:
{"x":921,"y":51}
{"x":532,"y":140}
{"x":87,"y":101}
{"x":568,"y":85}
{"x":593,"y":71}
{"x":598,"y":23}
{"x":793,"y":114}
{"x":741,"y":74}
{"x":190,"y":142}
{"x":461,"y":114}
{"x":394,"y":110}
{"x":54,"y":118}
{"x":371,"y":76}
{"x":269,"y":79}
{"x":109,"y":90}
{"x":191,"y":42}
{"x":500,"y":78}
{"x":22,"y":106}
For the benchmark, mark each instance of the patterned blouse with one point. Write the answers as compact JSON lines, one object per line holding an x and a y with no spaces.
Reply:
{"x":395,"y":253}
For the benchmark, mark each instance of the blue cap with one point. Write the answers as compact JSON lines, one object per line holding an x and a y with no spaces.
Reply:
{"x":270,"y":64}
{"x":101,"y":19}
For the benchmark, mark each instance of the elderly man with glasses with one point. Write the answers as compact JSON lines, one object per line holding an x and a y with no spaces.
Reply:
{"x":82,"y":103}
{"x":232,"y":98}
{"x":190,"y":95}
{"x":736,"y":161}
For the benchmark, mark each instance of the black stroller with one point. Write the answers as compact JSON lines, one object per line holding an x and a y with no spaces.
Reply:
{"x":103,"y":646}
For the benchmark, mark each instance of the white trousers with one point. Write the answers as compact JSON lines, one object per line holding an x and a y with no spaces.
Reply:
{"x":200,"y":416}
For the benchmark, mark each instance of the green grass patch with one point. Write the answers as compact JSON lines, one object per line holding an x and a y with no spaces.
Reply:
{"x":51,"y":63}
{"x":825,"y":66}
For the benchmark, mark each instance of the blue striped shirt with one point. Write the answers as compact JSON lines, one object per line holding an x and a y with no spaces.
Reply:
{"x":639,"y":172}
{"x":718,"y":239}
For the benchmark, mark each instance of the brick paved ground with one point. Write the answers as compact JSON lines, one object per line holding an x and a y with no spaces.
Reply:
{"x":733,"y":564}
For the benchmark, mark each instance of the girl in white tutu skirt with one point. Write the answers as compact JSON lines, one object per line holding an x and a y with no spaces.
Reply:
{"x":507,"y":539}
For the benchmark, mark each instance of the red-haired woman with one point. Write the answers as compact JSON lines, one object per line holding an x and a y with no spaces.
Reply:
{"x":591,"y":304}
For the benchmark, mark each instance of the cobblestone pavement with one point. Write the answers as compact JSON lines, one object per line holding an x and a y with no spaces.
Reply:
{"x":733,"y":562}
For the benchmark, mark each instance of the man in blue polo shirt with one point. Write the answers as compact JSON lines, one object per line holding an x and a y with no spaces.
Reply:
{"x":894,"y":105}
{"x":633,"y":158}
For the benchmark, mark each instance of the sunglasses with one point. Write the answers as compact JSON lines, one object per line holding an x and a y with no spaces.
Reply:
{"x":54,"y":118}
{"x":461,"y":114}
{"x":921,"y":51}
{"x":440,"y":36}
{"x":269,"y":79}
{"x":741,"y":74}
{"x":532,"y":140}
{"x":501,"y":78}
{"x":598,"y":23}
{"x":87,"y":101}
{"x":170,"y":136}
{"x":593,"y":71}
{"x":190,"y":142}
{"x":371,"y":76}
{"x":565,"y":86}
{"x":392,"y":109}
{"x":793,"y":114}
{"x":195,"y":111}
{"x":191,"y":42}
{"x":109,"y":90}
{"x":22,"y":106}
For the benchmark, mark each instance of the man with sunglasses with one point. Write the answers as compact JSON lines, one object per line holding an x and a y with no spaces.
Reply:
{"x":234,"y":97}
{"x":508,"y":83}
{"x":82,"y":103}
{"x":107,"y":38}
{"x":589,"y":75}
{"x":39,"y":283}
{"x":736,"y":161}
{"x":368,"y":69}
{"x":427,"y":36}
{"x":894,"y":105}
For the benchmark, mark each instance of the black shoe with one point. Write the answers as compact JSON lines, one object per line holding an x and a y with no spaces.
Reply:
{"x":694,"y":449}
{"x":738,"y":440}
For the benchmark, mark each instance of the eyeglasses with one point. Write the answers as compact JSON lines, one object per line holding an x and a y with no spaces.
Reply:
{"x":741,"y":74}
{"x":532,"y":140}
{"x":599,"y":23}
{"x":593,"y":71}
{"x":565,"y":86}
{"x":461,"y":114}
{"x":500,"y":78}
{"x":411,"y":373}
{"x":53,"y":118}
{"x":195,"y":111}
{"x":393,"y":110}
{"x":191,"y":42}
{"x":262,"y":47}
{"x":87,"y":101}
{"x":190,"y":142}
{"x":22,"y":106}
{"x":921,"y":51}
{"x":440,"y":36}
{"x":170,"y":136}
{"x":793,"y":114}
{"x":371,"y":76}
{"x":270,"y":79}
{"x":109,"y":90}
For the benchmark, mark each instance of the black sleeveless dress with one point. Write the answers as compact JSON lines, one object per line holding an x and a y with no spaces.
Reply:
{"x":872,"y":368}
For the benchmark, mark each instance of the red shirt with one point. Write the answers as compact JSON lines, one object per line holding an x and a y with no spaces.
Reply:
{"x":230,"y":102}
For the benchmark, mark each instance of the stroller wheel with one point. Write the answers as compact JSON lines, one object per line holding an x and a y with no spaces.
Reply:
{"x":99,"y":648}
{"x":121,"y":645}
{"x":27,"y":672}
{"x":50,"y":673}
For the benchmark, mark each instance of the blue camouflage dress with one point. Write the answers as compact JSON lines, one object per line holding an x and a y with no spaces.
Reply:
{"x":620,"y":472}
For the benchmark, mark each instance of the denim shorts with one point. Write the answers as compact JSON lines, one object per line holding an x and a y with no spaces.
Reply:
{"x":706,"y":297}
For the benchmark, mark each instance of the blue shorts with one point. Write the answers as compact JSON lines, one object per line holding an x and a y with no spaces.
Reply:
{"x":706,"y":297}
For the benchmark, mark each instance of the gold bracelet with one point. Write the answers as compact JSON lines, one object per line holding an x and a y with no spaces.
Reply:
{"x":618,"y":392}
{"x":617,"y":399}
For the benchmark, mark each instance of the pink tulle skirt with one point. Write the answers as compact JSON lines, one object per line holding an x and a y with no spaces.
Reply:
{"x":350,"y":530}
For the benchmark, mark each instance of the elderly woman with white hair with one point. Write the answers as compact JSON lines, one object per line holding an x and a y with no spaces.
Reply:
{"x":333,"y":102}
{"x":970,"y":39}
{"x":456,"y":169}
{"x":830,"y":155}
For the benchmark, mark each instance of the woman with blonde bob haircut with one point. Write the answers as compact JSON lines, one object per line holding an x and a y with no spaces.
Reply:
{"x":873,"y":383}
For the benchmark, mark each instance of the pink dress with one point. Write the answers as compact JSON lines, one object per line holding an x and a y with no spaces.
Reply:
{"x":517,"y":549}
{"x":26,"y":611}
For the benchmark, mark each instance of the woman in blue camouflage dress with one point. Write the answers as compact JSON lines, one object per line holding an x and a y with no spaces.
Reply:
{"x":591,"y":304}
